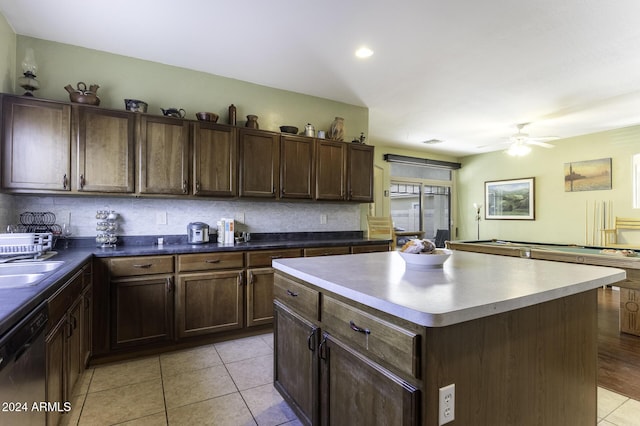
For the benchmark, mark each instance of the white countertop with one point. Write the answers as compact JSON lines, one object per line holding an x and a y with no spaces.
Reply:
{"x":468,"y":286}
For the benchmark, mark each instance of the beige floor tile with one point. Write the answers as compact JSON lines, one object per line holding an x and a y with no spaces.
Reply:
{"x":295,"y":422}
{"x":159,"y":419}
{"x":82,"y":385}
{"x":111,"y":376}
{"x":267,"y":406}
{"x":268,"y":339}
{"x":195,"y":386}
{"x":608,"y":401}
{"x":605,"y":423}
{"x":253,"y":372}
{"x":227,"y":410}
{"x":240,"y":349}
{"x":123,"y":403}
{"x":188,"y":360}
{"x":628,"y":414}
{"x":73,"y":416}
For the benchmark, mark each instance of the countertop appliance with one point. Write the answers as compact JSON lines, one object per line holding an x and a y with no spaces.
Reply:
{"x":197,"y":233}
{"x":23,"y":370}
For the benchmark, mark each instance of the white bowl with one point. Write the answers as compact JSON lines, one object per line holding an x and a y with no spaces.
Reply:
{"x":425,"y":260}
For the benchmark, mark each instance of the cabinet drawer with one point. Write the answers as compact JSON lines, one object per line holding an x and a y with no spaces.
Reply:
{"x":391,"y":344}
{"x":370,"y":248}
{"x":210,"y":261}
{"x":264,"y":257}
{"x":140,"y":265}
{"x":326,"y":251}
{"x":301,"y":299}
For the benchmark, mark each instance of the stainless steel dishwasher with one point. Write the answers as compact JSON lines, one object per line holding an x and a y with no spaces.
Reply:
{"x":23,"y":371}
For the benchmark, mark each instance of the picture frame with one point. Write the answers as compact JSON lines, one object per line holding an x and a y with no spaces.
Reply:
{"x":512,"y":199}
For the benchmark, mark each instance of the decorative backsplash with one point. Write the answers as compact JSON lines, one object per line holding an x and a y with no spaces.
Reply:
{"x":142,"y":216}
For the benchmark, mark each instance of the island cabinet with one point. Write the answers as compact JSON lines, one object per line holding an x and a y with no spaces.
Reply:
{"x":66,"y":339}
{"x":210,"y":293}
{"x":259,"y":167}
{"x":103,"y":151}
{"x":215,"y":160}
{"x":142,"y":306}
{"x":163,"y":155}
{"x":36,"y":144}
{"x":297,"y":168}
{"x":331,"y":170}
{"x":259,"y":299}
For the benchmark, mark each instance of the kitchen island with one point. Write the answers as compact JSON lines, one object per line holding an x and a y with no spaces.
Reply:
{"x":363,"y":339}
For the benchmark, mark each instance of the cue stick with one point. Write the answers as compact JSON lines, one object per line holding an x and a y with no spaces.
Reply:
{"x":595,"y":226}
{"x":586,"y":224}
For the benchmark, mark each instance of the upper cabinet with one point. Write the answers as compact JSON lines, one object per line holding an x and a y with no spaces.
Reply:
{"x":104,"y":150}
{"x":36,"y":144}
{"x":297,"y":178}
{"x":360,"y":173}
{"x":259,"y":163}
{"x":331,"y":162}
{"x":215,"y":160}
{"x":163,"y":160}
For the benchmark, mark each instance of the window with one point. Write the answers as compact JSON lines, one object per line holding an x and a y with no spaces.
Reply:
{"x":636,"y":181}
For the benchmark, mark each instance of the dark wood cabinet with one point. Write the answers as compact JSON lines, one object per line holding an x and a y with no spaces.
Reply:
{"x":104,"y":150}
{"x":297,"y":168}
{"x":360,"y":173}
{"x":331,"y":158}
{"x":163,"y":155}
{"x":259,"y":166}
{"x":354,"y":387}
{"x":296,"y":363}
{"x":215,"y":160}
{"x":36,"y":144}
{"x":56,"y":361}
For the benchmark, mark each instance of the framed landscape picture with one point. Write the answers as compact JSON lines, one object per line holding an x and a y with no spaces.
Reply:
{"x":510,"y":199}
{"x":591,"y":175}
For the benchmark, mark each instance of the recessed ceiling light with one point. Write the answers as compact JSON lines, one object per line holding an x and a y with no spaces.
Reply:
{"x":364,"y":52}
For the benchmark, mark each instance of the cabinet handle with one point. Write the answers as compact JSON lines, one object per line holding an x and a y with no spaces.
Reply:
{"x":282,"y":191}
{"x":185,"y":189}
{"x":65,"y":181}
{"x":143,"y":265}
{"x":197,"y":186}
{"x":273,"y":189}
{"x":354,"y":327}
{"x":169,"y":284}
{"x":276,"y":256}
{"x":240,"y":279}
{"x":251,"y":278}
{"x":212,"y":261}
{"x":291,"y":293}
{"x":82,"y":181}
{"x":311,"y":344}
{"x":322,"y":348}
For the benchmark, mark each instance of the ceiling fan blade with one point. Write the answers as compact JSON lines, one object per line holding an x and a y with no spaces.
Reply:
{"x":543,"y":138}
{"x":539,"y":143}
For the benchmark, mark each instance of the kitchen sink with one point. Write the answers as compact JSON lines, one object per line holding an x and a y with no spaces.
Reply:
{"x":19,"y":280}
{"x":19,"y":268}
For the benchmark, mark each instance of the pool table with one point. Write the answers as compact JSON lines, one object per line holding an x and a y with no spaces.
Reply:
{"x":601,"y":256}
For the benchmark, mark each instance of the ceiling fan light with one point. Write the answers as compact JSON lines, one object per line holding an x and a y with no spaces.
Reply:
{"x":518,"y":150}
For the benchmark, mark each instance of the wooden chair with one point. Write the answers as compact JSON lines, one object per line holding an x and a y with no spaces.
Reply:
{"x":610,"y":236}
{"x":381,"y":228}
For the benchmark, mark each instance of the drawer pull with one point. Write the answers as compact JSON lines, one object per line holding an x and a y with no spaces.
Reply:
{"x":311,"y":342}
{"x":291,"y":293}
{"x":322,"y":348}
{"x":143,"y":265}
{"x":276,"y":256}
{"x":354,"y":327}
{"x":212,"y":261}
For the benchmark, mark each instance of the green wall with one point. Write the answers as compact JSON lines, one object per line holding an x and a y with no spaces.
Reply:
{"x":560,"y":217}
{"x":163,"y":86}
{"x":7,"y":56}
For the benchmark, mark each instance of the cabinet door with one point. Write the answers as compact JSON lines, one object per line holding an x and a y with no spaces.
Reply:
{"x":209,"y":302}
{"x":73,"y":344}
{"x":360,"y":173}
{"x":215,"y":160}
{"x":259,"y":163}
{"x":55,"y":349}
{"x":105,"y":144}
{"x":330,"y":170}
{"x":260,"y":296}
{"x":358,"y":391}
{"x":85,"y":327}
{"x":142,"y":310}
{"x":36,"y":144}
{"x":295,"y":373}
{"x":297,"y":175}
{"x":163,"y":155}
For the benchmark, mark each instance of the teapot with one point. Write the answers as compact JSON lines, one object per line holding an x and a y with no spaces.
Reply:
{"x":174,"y":112}
{"x":309,"y":130}
{"x":83,"y":96}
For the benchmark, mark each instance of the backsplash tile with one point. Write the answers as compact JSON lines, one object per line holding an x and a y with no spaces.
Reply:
{"x":137,"y":216}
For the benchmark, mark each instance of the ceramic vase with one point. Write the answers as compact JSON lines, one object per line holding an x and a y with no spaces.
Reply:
{"x":232,"y":114}
{"x":336,"y":131}
{"x":252,"y":122}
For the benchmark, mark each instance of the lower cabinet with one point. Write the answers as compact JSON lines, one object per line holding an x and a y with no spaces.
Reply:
{"x":209,"y":302}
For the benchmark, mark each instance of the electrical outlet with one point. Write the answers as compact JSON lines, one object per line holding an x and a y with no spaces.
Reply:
{"x":323,"y":219}
{"x":238,"y":217}
{"x":446,"y":404}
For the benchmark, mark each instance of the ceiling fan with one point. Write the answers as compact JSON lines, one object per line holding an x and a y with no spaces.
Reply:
{"x":520,"y":142}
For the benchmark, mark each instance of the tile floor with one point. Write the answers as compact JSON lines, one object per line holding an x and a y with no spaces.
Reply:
{"x":228,"y":383}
